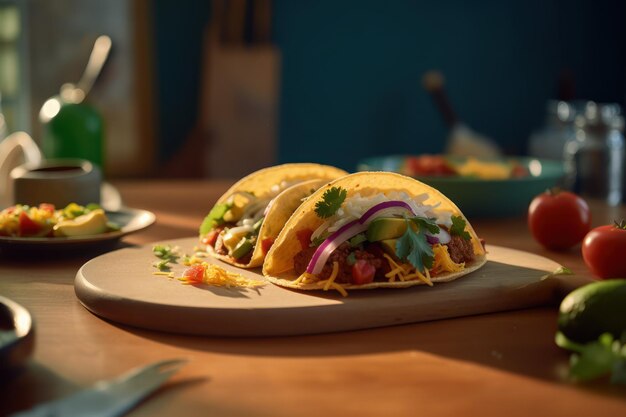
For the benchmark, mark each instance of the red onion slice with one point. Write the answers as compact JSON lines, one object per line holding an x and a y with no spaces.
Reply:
{"x":432,"y":240}
{"x":442,"y":236}
{"x":382,"y":206}
{"x":349,"y":230}
{"x":327,"y":247}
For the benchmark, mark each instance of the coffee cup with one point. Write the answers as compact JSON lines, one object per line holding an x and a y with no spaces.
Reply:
{"x":57,"y":181}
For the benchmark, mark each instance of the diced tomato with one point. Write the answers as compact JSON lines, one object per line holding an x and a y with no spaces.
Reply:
{"x":47,"y":207}
{"x":362,"y":272}
{"x":195,"y":274}
{"x":304,"y":236}
{"x":266,"y":244}
{"x":27,"y":225}
{"x":211,"y":237}
{"x":429,"y":165}
{"x":519,"y":171}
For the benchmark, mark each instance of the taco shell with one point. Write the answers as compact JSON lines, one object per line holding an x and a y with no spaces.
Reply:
{"x":278,"y":265}
{"x":307,"y":178}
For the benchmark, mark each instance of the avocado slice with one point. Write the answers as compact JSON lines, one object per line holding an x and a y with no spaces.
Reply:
{"x":92,"y":223}
{"x":386,"y":228}
{"x":389,"y":246}
{"x":243,"y":247}
{"x":231,"y":240}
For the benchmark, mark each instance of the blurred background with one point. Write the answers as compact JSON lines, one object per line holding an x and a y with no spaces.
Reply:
{"x":220,"y":88}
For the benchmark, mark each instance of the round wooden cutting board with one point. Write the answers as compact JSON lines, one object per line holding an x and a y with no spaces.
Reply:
{"x":120,"y":286}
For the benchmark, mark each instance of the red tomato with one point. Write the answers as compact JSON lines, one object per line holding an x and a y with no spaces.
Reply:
{"x":559,"y":219}
{"x":304,"y":236}
{"x":604,"y":250}
{"x":195,"y":274}
{"x":266,"y":244}
{"x":47,"y":207}
{"x":362,"y":272}
{"x":27,"y":225}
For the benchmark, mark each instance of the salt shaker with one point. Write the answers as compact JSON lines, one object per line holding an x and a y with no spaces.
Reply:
{"x":594,"y":157}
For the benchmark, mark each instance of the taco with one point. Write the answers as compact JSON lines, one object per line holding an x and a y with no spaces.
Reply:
{"x":372,"y":230}
{"x":246,"y":220}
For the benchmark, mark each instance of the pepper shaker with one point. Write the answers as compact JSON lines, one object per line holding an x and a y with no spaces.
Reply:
{"x":594,"y":157}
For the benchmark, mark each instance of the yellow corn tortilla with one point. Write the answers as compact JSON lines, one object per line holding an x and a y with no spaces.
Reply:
{"x":308,"y":176}
{"x":278,"y":265}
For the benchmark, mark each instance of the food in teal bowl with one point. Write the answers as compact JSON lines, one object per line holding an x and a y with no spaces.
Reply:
{"x":481,"y":188}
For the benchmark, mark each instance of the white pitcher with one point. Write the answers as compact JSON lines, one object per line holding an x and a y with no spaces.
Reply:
{"x":16,"y":149}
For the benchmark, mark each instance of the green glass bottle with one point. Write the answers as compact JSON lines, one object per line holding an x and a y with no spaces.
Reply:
{"x":75,"y":131}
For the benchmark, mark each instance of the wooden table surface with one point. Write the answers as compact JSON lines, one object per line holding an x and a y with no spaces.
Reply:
{"x":488,"y":365}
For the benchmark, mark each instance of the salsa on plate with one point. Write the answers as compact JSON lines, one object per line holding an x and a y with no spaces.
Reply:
{"x":45,"y":220}
{"x":442,"y":166}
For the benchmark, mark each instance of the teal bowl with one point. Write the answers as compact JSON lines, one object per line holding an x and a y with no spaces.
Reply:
{"x":484,"y":198}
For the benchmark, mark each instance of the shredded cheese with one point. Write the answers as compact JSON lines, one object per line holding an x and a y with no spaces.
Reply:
{"x":218,"y":276}
{"x":305,"y":278}
{"x":163,"y":273}
{"x":419,"y":276}
{"x":485,"y":170}
{"x":443,"y":262}
{"x":398,"y":271}
{"x":339,"y":288}
{"x":406,"y":272}
{"x":192,"y":260}
{"x":328,"y":282}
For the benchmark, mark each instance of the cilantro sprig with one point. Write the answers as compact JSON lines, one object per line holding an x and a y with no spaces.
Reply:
{"x":597,"y":358}
{"x":167,"y":254}
{"x":214,"y":218}
{"x":425,"y":223}
{"x":458,"y":228}
{"x":413,"y":245}
{"x":332,"y":199}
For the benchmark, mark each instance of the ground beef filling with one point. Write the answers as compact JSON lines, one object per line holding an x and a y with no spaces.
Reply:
{"x":460,"y":251}
{"x":219,"y":243}
{"x":371,"y":253}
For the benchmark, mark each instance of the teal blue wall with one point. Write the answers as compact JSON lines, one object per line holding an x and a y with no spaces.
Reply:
{"x":178,"y":35}
{"x":351,"y":70}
